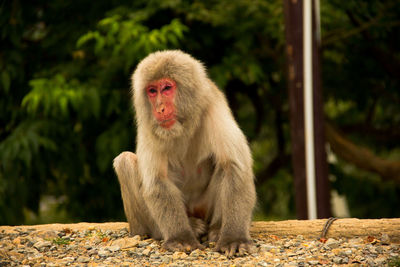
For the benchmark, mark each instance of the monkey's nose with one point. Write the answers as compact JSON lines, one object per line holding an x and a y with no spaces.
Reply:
{"x":161,"y":109}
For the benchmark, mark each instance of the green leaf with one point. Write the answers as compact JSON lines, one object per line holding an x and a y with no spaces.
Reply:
{"x":86,"y":38}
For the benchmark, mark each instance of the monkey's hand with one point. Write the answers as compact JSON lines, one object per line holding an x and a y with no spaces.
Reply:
{"x":182,"y":244}
{"x":232,"y":247}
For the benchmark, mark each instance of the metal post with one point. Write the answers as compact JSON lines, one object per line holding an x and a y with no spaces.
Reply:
{"x":308,"y":109}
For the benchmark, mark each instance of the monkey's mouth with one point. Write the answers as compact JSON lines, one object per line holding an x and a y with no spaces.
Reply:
{"x":167,"y":123}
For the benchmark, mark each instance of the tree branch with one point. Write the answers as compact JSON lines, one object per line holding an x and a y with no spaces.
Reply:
{"x":361,"y":157}
{"x":387,"y":136}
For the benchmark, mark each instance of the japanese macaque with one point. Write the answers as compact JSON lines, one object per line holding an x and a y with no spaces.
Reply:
{"x":192,"y":173}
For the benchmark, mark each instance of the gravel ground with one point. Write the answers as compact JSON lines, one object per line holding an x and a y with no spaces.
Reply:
{"x":24,"y":246}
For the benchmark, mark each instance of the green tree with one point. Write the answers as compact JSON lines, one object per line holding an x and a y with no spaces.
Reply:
{"x":65,"y":108}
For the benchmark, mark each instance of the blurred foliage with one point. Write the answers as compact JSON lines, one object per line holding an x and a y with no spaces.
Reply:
{"x":65,"y":108}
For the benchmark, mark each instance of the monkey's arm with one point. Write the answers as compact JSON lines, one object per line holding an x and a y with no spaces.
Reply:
{"x":237,"y":199}
{"x":166,"y":206}
{"x":234,"y":170}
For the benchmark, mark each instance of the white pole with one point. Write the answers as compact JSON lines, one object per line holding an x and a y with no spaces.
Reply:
{"x":308,"y":109}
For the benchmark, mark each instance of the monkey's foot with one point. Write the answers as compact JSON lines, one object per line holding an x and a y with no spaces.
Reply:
{"x":179,"y":245}
{"x":199,"y":227}
{"x":232,"y":248}
{"x":213,"y":235}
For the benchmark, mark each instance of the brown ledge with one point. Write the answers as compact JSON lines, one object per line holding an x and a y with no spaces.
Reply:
{"x":309,"y":229}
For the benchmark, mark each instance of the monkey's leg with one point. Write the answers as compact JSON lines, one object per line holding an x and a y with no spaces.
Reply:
{"x":166,"y":206}
{"x":236,"y":198}
{"x":136,"y":211}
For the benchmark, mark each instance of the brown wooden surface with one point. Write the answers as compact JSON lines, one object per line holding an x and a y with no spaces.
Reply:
{"x":341,"y":228}
{"x":309,"y":229}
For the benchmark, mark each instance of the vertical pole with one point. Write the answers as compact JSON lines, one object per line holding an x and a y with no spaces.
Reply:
{"x":308,"y":109}
{"x":293,"y":11}
{"x":321,"y":165}
{"x":294,"y":56}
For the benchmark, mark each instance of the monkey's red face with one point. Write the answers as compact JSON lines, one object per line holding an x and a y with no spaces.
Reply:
{"x":161,"y":94}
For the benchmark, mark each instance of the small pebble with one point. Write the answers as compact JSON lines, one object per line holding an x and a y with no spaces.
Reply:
{"x":113,"y":248}
{"x":69,"y":259}
{"x":103,"y":252}
{"x":83,"y":259}
{"x":337,"y":260}
{"x":42,"y":244}
{"x":146,"y":252}
{"x":332,"y":243}
{"x":179,"y":255}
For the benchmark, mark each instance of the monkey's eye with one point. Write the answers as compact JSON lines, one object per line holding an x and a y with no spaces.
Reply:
{"x":152,"y":92}
{"x":167,"y":88}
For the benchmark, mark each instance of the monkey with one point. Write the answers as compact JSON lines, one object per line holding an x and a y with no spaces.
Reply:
{"x":192,"y":172}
